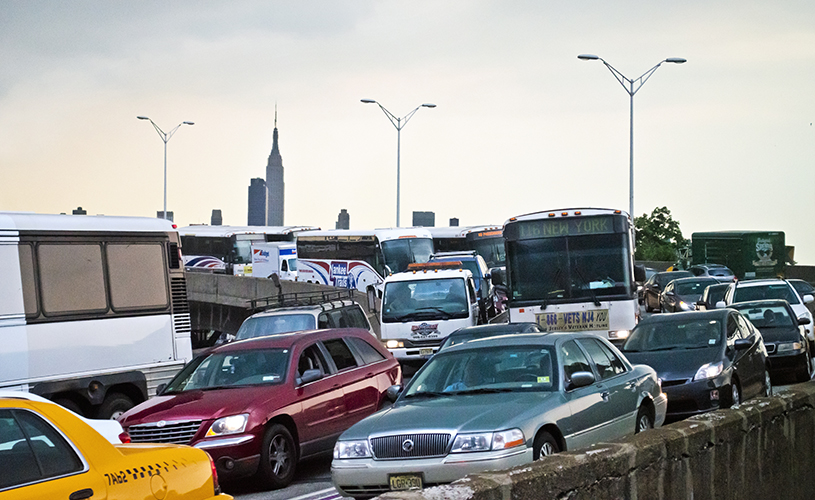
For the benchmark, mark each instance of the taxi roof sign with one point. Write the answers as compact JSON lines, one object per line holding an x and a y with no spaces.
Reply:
{"x":434,"y":266}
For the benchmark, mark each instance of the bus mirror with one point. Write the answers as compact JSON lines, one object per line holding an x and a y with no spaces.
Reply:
{"x":639,"y":273}
{"x":388,"y":271}
{"x":498,"y":276}
{"x":371,"y":292}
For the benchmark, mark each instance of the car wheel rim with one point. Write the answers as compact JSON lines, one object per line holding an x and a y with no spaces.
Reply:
{"x":736,"y":398}
{"x":768,"y":385}
{"x":279,"y":456}
{"x":547,"y":449}
{"x":645,"y":423}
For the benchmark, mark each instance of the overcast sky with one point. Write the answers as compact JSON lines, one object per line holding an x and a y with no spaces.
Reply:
{"x":725,"y":141}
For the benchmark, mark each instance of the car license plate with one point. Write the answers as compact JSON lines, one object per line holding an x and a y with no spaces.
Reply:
{"x":405,"y":481}
{"x":596,"y":319}
{"x":426,"y":352}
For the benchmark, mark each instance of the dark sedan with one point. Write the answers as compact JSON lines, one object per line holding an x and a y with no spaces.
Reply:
{"x":258,"y":406}
{"x":683,"y":293}
{"x":656,"y":283}
{"x":712,"y":295}
{"x":706,"y":360}
{"x":783,"y":335}
{"x":469,"y":333}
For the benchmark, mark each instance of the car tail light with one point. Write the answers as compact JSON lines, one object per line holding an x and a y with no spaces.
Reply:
{"x":215,"y":484}
{"x":124,"y":437}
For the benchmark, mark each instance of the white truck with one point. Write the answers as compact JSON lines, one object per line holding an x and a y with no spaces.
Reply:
{"x":422,"y":306}
{"x":270,"y":258}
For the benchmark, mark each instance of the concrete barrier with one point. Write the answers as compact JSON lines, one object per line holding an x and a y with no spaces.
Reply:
{"x":763,"y":449}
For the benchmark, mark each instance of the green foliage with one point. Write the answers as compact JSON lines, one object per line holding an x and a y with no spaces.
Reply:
{"x":658,"y":236}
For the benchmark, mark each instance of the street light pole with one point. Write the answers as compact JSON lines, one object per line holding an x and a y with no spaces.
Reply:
{"x":398,"y":123}
{"x":631,"y":86}
{"x":165,"y":137}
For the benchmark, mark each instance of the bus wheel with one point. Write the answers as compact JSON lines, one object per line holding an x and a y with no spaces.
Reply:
{"x":114,"y":405}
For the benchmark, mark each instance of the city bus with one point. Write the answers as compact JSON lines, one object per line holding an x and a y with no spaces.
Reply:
{"x":573,"y":270}
{"x":487,"y":241}
{"x":228,"y":249}
{"x":93,"y":309}
{"x":348,"y":258}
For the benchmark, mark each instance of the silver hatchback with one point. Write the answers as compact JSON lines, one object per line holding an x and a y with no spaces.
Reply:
{"x":496,"y":403}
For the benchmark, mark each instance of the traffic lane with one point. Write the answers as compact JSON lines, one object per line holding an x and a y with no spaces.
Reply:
{"x":312,"y":481}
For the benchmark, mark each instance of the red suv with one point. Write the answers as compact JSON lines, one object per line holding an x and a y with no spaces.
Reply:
{"x":258,"y":406}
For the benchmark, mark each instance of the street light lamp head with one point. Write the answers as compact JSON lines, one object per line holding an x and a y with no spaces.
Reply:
{"x":588,"y":57}
{"x":368,"y":101}
{"x":188,"y":123}
{"x":142,"y":118}
{"x":428,"y":105}
{"x":677,"y":60}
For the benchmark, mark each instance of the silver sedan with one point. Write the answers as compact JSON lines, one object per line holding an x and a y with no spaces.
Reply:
{"x":496,"y":403}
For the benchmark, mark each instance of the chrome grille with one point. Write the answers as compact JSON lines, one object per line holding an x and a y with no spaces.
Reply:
{"x":423,"y":445}
{"x":176,"y":432}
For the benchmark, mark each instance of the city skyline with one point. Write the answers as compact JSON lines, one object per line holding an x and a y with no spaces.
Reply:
{"x":724,"y":141}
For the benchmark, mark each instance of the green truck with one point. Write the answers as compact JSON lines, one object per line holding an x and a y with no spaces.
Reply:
{"x":749,"y":254}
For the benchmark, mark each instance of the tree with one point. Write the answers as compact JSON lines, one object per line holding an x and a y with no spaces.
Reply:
{"x":658,"y":236}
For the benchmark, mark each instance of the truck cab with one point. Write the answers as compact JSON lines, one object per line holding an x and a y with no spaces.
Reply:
{"x":422,"y":306}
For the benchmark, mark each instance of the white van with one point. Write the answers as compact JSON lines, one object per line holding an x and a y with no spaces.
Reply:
{"x":424,"y":305}
{"x":273,"y":258}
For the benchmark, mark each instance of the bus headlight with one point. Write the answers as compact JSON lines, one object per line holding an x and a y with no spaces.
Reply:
{"x":619,"y":334}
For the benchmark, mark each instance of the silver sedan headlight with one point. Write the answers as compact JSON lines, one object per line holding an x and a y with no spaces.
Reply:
{"x":352,"y":449}
{"x":789,"y":346}
{"x":233,"y":424}
{"x":486,"y":441}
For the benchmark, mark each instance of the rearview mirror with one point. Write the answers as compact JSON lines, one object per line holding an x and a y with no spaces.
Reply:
{"x":581,"y":379}
{"x":808,"y":298}
{"x":720,"y":305}
{"x":371,"y":293}
{"x":160,"y":388}
{"x":742,"y":344}
{"x":393,"y":392}
{"x":310,"y":376}
{"x":639,"y":273}
{"x":803,"y":320}
{"x":498,"y":276}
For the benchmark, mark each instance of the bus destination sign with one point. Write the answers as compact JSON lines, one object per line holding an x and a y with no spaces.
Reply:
{"x":573,"y":226}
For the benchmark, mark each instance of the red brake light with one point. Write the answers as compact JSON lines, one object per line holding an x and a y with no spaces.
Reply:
{"x":214,"y":476}
{"x":124,"y":437}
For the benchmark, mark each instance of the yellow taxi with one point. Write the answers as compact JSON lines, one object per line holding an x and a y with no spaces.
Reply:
{"x":47,"y":452}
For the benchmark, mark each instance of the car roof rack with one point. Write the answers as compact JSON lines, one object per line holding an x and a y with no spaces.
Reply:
{"x":298,"y":299}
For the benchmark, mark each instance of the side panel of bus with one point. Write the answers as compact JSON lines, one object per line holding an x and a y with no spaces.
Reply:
{"x":340,"y":273}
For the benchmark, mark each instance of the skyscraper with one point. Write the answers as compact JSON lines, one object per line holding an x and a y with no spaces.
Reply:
{"x":424,"y":219}
{"x":343,"y":220}
{"x":257,"y":203}
{"x":275,"y":187}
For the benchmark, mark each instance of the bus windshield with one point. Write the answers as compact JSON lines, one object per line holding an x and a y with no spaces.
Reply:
{"x":492,"y":249}
{"x":400,"y":252}
{"x":570,"y":268}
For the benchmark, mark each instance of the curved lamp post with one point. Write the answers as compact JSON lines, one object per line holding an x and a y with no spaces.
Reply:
{"x":398,"y":123}
{"x":631,"y":86}
{"x":165,"y":137}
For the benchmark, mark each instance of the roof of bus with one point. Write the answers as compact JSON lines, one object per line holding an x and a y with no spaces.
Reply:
{"x":565,"y":212}
{"x":63,"y":222}
{"x":204,"y":230}
{"x":460,"y":231}
{"x":382,"y":234}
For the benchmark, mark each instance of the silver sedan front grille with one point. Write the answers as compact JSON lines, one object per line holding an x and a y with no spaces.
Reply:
{"x":410,"y":446}
{"x":175,"y":432}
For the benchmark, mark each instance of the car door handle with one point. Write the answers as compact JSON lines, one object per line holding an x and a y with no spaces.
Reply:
{"x":81,"y":494}
{"x":605,"y":396}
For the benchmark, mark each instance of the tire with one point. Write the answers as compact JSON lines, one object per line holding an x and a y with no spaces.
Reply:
{"x":114,"y":405}
{"x":70,"y":404}
{"x":644,"y":420}
{"x":278,"y":457}
{"x":768,"y":384}
{"x":735,"y":393}
{"x":545,"y":445}
{"x":805,"y":372}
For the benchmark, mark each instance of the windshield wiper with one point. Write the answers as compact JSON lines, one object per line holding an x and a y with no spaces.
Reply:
{"x":438,"y":309}
{"x":545,"y":303}
{"x":482,"y":390}
{"x":588,"y":285}
{"x":427,"y":394}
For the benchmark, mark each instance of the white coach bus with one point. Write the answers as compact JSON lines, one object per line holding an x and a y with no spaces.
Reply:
{"x":349,"y":258}
{"x":93,"y":309}
{"x":228,"y":249}
{"x":573,"y":270}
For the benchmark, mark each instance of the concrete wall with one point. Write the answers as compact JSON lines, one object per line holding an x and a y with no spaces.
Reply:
{"x":763,"y":449}
{"x":221,"y":302}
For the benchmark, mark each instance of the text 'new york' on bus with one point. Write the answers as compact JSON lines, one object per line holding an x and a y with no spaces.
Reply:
{"x":93,"y":309}
{"x":487,"y":241}
{"x":228,"y":249}
{"x":358,"y":259}
{"x":573,"y":270}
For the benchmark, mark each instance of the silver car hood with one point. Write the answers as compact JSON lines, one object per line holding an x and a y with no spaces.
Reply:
{"x":457,"y":414}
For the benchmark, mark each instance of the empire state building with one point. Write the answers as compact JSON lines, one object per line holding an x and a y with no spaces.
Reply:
{"x":275,"y":186}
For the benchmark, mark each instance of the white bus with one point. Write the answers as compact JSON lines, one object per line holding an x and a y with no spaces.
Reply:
{"x":573,"y":270}
{"x":487,"y":241}
{"x":348,"y":258}
{"x":93,"y":309}
{"x":228,"y":249}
